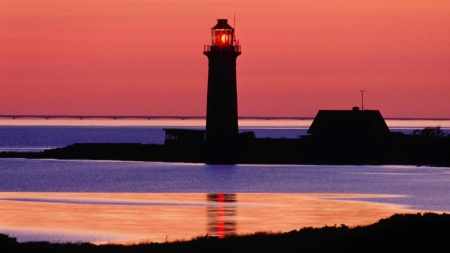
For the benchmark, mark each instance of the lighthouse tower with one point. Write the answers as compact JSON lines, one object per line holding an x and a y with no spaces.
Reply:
{"x":221,"y":111}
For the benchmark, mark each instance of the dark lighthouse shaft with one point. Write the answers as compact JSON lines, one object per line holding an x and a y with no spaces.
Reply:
{"x":222,"y":113}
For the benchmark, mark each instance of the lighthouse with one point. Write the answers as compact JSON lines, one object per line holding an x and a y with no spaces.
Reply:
{"x":221,"y":108}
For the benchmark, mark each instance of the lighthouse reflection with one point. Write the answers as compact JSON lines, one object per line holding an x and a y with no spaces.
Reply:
{"x":222,"y":214}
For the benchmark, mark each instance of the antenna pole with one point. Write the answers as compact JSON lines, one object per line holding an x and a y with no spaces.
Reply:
{"x":234,"y":26}
{"x":362,"y":99}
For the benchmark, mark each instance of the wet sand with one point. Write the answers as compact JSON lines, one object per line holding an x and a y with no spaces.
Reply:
{"x":157,"y":217}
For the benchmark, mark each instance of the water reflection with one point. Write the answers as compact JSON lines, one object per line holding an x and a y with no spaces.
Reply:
{"x":157,"y":217}
{"x":221,"y":217}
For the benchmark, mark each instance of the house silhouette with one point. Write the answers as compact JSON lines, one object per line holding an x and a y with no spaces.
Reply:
{"x":344,"y":126}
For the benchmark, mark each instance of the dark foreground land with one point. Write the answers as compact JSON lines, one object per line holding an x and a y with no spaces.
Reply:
{"x":400,"y":233}
{"x":396,"y":149}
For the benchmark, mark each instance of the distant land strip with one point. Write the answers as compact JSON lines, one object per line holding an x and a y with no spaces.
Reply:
{"x":112,"y":117}
{"x":139,"y":117}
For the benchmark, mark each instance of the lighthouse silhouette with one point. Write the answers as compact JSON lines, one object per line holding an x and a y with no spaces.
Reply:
{"x":221,"y":109}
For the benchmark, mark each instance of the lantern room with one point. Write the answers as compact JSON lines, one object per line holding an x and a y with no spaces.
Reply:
{"x":222,"y":34}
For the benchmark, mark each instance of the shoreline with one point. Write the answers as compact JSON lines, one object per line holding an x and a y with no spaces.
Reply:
{"x":397,"y":149}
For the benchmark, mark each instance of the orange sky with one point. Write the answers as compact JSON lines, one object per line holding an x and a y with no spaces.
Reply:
{"x":144,"y":57}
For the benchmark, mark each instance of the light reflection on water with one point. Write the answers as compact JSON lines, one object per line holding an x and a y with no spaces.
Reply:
{"x":425,"y":186}
{"x":100,"y":217}
{"x":221,"y":218}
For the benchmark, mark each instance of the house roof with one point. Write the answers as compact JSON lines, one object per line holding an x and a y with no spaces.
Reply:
{"x":183,"y":131}
{"x":348,"y":122}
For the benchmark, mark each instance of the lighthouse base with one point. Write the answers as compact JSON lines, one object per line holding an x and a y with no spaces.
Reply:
{"x":226,"y":153}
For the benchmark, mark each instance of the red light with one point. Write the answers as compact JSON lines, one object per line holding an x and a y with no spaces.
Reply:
{"x":222,"y":38}
{"x":221,"y":197}
{"x":220,"y":216}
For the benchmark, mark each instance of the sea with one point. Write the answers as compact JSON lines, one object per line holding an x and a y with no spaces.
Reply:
{"x":132,"y":202}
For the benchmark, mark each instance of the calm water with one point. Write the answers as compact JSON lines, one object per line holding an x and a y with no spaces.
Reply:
{"x":136,"y":201}
{"x":424,"y":188}
{"x":84,"y":200}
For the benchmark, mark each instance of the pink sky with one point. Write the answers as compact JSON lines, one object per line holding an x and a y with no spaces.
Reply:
{"x":144,"y":57}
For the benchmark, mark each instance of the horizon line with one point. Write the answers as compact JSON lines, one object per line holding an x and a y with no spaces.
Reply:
{"x":153,"y":117}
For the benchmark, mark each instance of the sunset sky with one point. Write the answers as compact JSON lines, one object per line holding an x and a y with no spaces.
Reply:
{"x":144,"y":57}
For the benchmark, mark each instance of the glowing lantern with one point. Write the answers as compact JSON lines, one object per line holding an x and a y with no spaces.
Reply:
{"x":222,"y":34}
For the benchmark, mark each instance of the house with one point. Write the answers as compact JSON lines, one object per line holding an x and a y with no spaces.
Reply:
{"x":184,"y":136}
{"x":349,"y":126}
